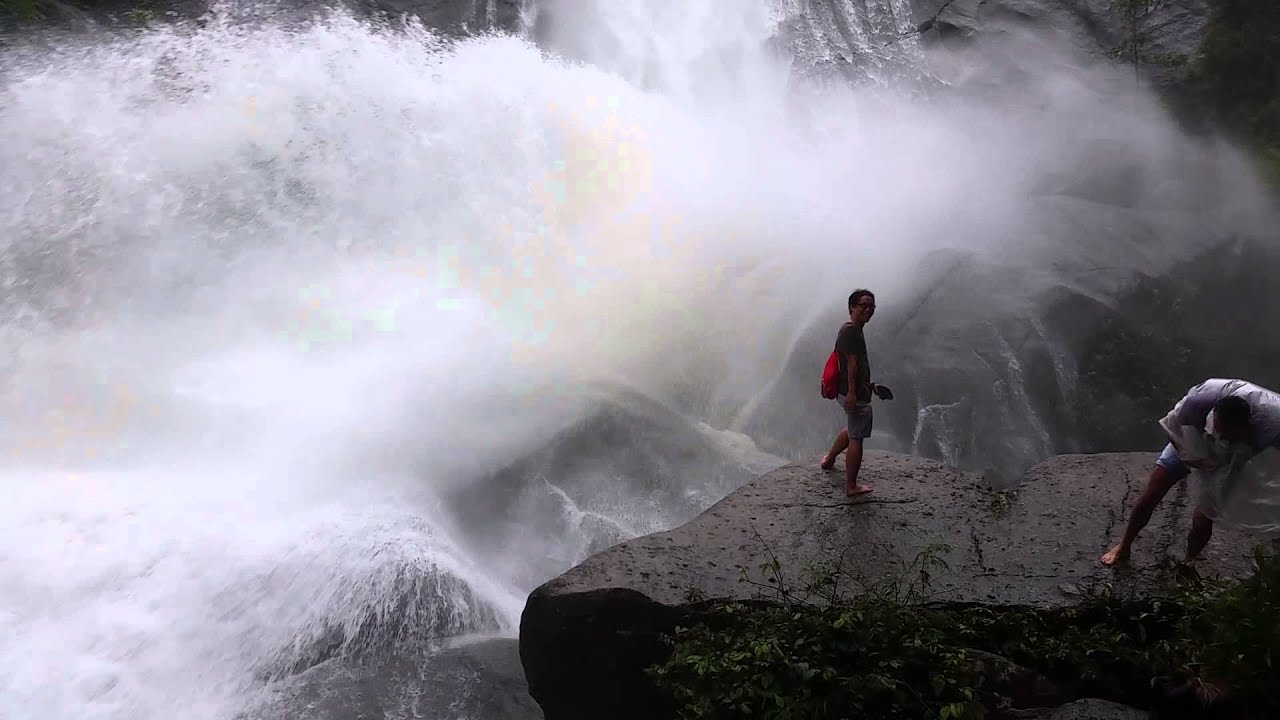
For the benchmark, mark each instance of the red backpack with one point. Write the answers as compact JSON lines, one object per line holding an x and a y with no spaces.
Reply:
{"x":831,"y":376}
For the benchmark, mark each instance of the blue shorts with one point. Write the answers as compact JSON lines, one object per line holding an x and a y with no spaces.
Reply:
{"x":857,"y":420}
{"x":1171,"y":462}
{"x":1178,"y":470}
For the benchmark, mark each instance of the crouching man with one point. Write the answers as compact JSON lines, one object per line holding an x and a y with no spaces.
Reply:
{"x":1219,"y":425}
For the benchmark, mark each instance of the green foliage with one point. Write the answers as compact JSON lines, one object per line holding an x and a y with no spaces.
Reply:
{"x":28,"y":12}
{"x":1238,"y":75}
{"x":1133,"y":368}
{"x":141,"y":13}
{"x":1269,"y":160}
{"x":1168,"y":334}
{"x":1105,"y":647}
{"x":23,"y":11}
{"x":1238,"y":625}
{"x":886,"y":651}
{"x":1000,"y":502}
{"x":1235,"y":76}
{"x":879,"y":655}
{"x":1239,"y":70}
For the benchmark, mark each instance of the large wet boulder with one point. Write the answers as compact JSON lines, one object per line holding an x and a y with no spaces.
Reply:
{"x":474,"y":678}
{"x":1085,"y":709}
{"x":620,"y":469}
{"x":587,"y":635}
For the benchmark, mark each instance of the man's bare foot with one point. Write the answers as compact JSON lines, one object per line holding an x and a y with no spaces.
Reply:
{"x":826,"y":464}
{"x":856,"y":490}
{"x":1115,"y":555}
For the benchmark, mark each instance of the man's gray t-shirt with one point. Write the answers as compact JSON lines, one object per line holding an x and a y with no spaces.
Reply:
{"x":850,"y":341}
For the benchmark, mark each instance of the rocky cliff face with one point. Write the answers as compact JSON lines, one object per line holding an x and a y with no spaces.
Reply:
{"x":840,"y":36}
{"x":586,"y":636}
{"x":478,"y":679}
{"x":856,"y":38}
{"x":1157,"y":40}
{"x":451,"y":17}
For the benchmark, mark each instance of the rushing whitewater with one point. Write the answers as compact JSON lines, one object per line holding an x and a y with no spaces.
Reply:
{"x":332,"y":341}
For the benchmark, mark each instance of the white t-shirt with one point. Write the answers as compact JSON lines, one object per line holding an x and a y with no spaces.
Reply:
{"x":1244,"y":488}
{"x":1196,"y":408}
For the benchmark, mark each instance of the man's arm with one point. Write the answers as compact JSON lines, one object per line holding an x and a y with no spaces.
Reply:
{"x":1191,"y":411}
{"x":1194,"y":408}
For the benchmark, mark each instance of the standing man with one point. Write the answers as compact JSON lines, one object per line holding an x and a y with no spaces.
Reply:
{"x":854,"y":392}
{"x":1216,"y":420}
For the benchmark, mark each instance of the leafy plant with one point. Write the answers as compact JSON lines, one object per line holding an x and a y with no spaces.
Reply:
{"x":27,"y":12}
{"x":1236,"y":632}
{"x":812,"y":656}
{"x":1238,"y":75}
{"x":1000,"y":502}
{"x":834,"y":646}
{"x":23,"y":10}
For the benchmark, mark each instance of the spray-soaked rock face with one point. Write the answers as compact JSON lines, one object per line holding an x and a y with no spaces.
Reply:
{"x":587,"y":635}
{"x":1169,"y":32}
{"x":629,"y":467}
{"x":480,"y":680}
{"x":451,"y":17}
{"x":301,"y":316}
{"x":995,"y":368}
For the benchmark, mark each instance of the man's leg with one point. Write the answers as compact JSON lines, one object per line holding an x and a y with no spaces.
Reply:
{"x":859,"y":429}
{"x":837,"y":447}
{"x":1201,"y":531}
{"x":1167,"y":472}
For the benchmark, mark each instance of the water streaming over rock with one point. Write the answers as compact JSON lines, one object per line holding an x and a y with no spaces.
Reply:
{"x":328,"y":341}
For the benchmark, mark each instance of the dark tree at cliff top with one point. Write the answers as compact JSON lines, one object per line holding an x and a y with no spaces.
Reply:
{"x":1238,"y":73}
{"x":1139,"y":34}
{"x":1240,"y":67}
{"x":1170,"y":333}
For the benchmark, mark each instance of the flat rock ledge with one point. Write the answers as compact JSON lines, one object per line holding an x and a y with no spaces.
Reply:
{"x":587,"y":636}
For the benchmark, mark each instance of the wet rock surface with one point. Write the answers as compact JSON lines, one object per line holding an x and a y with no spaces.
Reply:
{"x":1171,"y":30}
{"x":1086,"y":709}
{"x":586,"y":636}
{"x":447,"y":17}
{"x":475,"y":679}
{"x":620,"y":471}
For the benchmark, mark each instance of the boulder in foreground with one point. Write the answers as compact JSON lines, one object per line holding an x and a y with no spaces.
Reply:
{"x":587,"y":636}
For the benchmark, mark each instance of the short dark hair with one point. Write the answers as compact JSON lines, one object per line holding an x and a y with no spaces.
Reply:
{"x":1232,"y":410}
{"x":858,"y":295}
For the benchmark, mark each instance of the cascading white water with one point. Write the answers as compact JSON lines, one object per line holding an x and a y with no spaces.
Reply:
{"x":272,"y":296}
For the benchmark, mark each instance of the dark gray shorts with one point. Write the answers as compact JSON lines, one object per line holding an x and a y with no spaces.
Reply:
{"x":859,"y":419}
